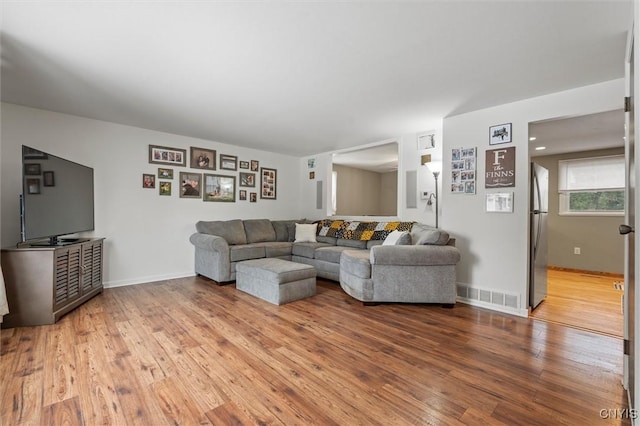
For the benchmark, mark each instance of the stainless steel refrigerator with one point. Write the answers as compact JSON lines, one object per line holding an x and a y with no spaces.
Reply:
{"x":539,"y":205}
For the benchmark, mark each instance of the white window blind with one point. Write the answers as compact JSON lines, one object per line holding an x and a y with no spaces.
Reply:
{"x":591,"y":174}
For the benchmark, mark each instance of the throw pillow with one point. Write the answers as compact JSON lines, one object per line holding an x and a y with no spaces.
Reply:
{"x":397,"y":238}
{"x":426,"y":235}
{"x":306,"y":233}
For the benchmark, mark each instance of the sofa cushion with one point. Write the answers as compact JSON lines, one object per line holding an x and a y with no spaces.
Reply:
{"x":306,"y":232}
{"x":352,"y":243}
{"x":259,"y":230}
{"x":286,"y":229}
{"x":328,"y":240}
{"x":330,"y":254}
{"x":246,"y":251}
{"x":373,"y":243}
{"x":423,"y":235}
{"x":277,"y":249}
{"x":397,"y":238}
{"x":231,"y":230}
{"x":356,"y":262}
{"x":307,"y":249}
{"x":280,"y":227}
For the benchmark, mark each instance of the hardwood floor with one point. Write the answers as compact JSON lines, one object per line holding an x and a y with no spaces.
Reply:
{"x":583,"y":300}
{"x":186,"y":352}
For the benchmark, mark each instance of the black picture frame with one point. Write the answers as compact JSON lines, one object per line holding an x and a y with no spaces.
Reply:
{"x":500,"y":134}
{"x":48,"y":178}
{"x":32,"y":169}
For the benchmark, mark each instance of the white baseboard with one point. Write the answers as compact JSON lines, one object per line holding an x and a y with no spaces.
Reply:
{"x":504,"y":309}
{"x":147,"y":279}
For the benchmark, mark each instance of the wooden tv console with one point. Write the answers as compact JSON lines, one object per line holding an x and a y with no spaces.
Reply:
{"x":44,"y":283}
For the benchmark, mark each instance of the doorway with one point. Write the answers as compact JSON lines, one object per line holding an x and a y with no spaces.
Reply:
{"x":585,"y":253}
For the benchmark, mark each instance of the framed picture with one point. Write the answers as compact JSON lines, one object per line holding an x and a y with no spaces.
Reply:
{"x":48,"y":179}
{"x":33,"y":186}
{"x":32,"y":169}
{"x":228,"y":162}
{"x":312,"y":175}
{"x":463,"y":170}
{"x":254,"y":165}
{"x":165,"y":173}
{"x":203,"y":158}
{"x":166,"y":155}
{"x":500,"y":134}
{"x":243,"y":194}
{"x":33,"y":154}
{"x":244,"y":164}
{"x":248,"y":179}
{"x":253,"y":197}
{"x":190,"y":185}
{"x":148,"y":181}
{"x":268,"y":183}
{"x":426,"y":140}
{"x":500,"y":168}
{"x":219,"y":188}
{"x":499,"y":202}
{"x":165,"y":188}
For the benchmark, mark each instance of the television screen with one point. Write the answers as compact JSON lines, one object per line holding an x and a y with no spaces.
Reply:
{"x":57,"y":196}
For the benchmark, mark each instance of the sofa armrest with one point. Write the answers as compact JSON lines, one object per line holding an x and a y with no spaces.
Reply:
{"x":414,"y":255}
{"x":209,"y":242}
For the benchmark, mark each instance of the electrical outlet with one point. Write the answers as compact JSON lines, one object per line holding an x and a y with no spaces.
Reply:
{"x":576,"y":250}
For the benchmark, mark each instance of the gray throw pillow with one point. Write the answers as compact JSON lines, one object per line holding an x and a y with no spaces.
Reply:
{"x":424,"y":235}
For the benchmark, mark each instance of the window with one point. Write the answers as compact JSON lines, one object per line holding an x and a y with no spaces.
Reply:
{"x":592,"y":186}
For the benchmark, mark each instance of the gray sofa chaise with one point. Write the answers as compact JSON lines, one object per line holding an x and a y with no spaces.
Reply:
{"x":350,"y":252}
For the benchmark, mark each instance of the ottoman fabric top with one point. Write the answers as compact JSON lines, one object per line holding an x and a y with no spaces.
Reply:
{"x":276,"y":270}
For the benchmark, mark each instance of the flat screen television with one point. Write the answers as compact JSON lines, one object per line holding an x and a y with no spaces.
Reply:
{"x":57,"y":198}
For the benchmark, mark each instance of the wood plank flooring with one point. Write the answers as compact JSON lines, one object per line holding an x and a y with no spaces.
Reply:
{"x":583,"y":300}
{"x":187,"y":352}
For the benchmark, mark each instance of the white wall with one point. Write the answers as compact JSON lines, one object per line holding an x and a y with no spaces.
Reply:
{"x":147,"y":236}
{"x":495,"y":246}
{"x":408,"y":159}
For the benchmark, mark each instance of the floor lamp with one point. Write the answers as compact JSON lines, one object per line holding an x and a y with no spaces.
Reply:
{"x":434,"y":168}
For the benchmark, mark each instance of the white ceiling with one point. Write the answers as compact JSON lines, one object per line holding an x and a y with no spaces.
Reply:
{"x":301,"y":78}
{"x":582,"y":133}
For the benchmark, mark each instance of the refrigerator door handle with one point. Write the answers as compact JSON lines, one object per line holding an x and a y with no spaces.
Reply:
{"x":626,"y":229}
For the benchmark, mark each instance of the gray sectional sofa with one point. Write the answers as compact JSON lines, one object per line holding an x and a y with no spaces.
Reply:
{"x":350,"y":252}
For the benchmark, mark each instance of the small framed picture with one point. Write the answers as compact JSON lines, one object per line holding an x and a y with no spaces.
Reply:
{"x":33,"y":186}
{"x":166,"y":155}
{"x":312,"y":175}
{"x":202,"y":158}
{"x":268,"y":183}
{"x":48,"y":178}
{"x":244,"y":164}
{"x":499,"y":202}
{"x":228,"y":162}
{"x":500,"y":134}
{"x":148,"y":181}
{"x":426,"y":141}
{"x":165,"y":188}
{"x":254,"y":165}
{"x":248,"y":179}
{"x":165,"y":173}
{"x":253,"y":197}
{"x":243,"y":194}
{"x":219,"y":188}
{"x":190,"y":185}
{"x":32,"y":169}
{"x":33,"y":154}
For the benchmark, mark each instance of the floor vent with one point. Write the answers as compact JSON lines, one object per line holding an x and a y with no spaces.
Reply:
{"x":488,"y":296}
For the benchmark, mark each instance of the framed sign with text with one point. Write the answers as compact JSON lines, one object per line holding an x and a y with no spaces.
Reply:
{"x":500,"y":168}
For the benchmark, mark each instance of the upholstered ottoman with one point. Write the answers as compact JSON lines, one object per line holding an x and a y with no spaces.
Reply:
{"x":277,"y":281}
